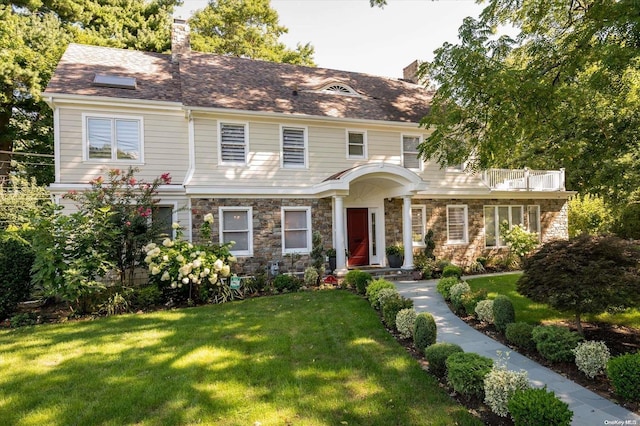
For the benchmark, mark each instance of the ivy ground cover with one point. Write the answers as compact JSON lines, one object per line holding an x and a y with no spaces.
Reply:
{"x":320,"y":358}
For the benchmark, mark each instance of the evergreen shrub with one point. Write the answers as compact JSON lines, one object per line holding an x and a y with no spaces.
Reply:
{"x":437,"y":354}
{"x":503,"y":312}
{"x":424,"y":331}
{"x":555,"y":343}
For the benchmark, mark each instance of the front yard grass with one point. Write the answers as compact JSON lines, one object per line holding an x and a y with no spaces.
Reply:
{"x":532,"y":312}
{"x":320,"y":358}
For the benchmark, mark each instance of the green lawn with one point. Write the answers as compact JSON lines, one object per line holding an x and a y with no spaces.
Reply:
{"x":531,"y":312}
{"x":320,"y":358}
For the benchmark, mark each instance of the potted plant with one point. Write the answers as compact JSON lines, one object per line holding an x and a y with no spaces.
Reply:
{"x":331,"y":254}
{"x":395,"y":255}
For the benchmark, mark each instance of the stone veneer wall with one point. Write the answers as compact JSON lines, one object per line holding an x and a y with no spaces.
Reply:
{"x":267,"y":229}
{"x":553,"y":223}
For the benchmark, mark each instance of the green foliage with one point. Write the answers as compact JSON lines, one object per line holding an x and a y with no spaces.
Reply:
{"x":358,"y":280}
{"x":425,"y":331}
{"x":145,"y":297}
{"x":437,"y":354}
{"x":392,"y":306}
{"x":466,"y":372}
{"x":429,"y":245}
{"x":470,"y":300}
{"x":386,"y":294}
{"x":484,"y":311}
{"x":591,"y":358}
{"x":503,"y":312}
{"x":311,"y":276}
{"x":457,"y":293}
{"x":285,"y":282}
{"x":444,"y":286}
{"x":16,"y":260}
{"x":23,"y":320}
{"x":589,"y":214}
{"x":317,"y":254}
{"x":499,"y":386}
{"x":405,"y":321}
{"x":520,"y":334}
{"x":624,"y":373}
{"x":520,"y":241}
{"x":395,"y":250}
{"x":374,"y":288}
{"x":246,"y":29}
{"x":556,"y":274}
{"x":627,"y":222}
{"x":452,"y":271}
{"x":425,"y":265}
{"x":20,"y":200}
{"x":116,"y":304}
{"x":534,"y":407}
{"x":555,"y":343}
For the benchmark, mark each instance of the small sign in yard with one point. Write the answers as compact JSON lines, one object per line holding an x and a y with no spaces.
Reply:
{"x":235,"y":283}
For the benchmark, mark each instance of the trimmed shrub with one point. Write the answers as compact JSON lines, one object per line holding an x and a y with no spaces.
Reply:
{"x":437,"y":354}
{"x":373,"y":290}
{"x":555,"y":343}
{"x":424,"y":331}
{"x":145,"y":297}
{"x":520,"y":334}
{"x":452,"y":271}
{"x":285,"y":282}
{"x":311,"y":275}
{"x":405,"y":320}
{"x":16,"y":259}
{"x":500,"y":385}
{"x":503,"y":312}
{"x":457,"y":293}
{"x":466,"y":372}
{"x":592,"y":358}
{"x":357,"y":280}
{"x":484,"y":311}
{"x":624,"y":373}
{"x":470,"y":300}
{"x":392,"y":306}
{"x":535,"y":407}
{"x":386,"y":294}
{"x":444,"y":286}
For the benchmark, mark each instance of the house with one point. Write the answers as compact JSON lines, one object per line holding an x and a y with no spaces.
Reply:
{"x":276,"y":152}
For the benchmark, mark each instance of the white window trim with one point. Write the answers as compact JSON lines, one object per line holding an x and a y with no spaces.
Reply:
{"x":420,"y":140}
{"x":249,"y":211}
{"x":466,"y":224}
{"x":424,"y":224}
{"x":306,"y":147}
{"x":246,"y":143}
{"x":85,"y":137}
{"x":497,"y":222}
{"x":309,"y":230}
{"x":538,"y":227}
{"x":365,"y":154}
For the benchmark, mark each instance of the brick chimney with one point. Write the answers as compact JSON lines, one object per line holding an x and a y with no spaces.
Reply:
{"x":409,"y":73}
{"x":180,"y":43}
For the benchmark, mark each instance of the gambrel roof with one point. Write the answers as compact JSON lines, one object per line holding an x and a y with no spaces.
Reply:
{"x":203,"y":80}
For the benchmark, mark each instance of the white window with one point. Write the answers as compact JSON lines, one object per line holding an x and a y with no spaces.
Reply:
{"x":233,"y":143}
{"x":162,"y":218}
{"x":418,"y":225}
{"x":356,"y":144}
{"x":496,"y":215}
{"x":410,"y":158}
{"x":236,"y":224}
{"x":109,"y":138}
{"x":533,"y":219}
{"x":457,"y":224}
{"x":294,"y":147}
{"x":296,"y":230}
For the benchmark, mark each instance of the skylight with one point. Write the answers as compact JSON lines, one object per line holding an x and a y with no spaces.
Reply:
{"x":106,"y":80}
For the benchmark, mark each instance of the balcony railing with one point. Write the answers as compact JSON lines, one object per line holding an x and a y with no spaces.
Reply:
{"x":524,"y":179}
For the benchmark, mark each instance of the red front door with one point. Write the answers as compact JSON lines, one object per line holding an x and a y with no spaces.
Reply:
{"x":358,"y":236}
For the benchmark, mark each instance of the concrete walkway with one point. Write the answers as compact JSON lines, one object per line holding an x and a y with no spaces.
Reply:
{"x":588,"y":407}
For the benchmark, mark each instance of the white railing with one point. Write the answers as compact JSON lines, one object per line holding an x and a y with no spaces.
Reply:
{"x":524,"y":179}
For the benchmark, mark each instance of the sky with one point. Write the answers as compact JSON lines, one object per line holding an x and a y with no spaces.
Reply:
{"x":352,"y":36}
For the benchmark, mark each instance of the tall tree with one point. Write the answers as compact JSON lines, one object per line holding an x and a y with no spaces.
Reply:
{"x":564,"y":92}
{"x":245,"y":28}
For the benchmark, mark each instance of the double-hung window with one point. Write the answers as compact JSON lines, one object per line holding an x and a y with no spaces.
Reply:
{"x":457,"y":224}
{"x":162,"y":218}
{"x":296,"y":230}
{"x":410,"y":158}
{"x":110,"y":138}
{"x":233,"y":143}
{"x":356,"y":144}
{"x":533,"y":219}
{"x":495,"y":217}
{"x":294,"y":147}
{"x":418,"y":225}
{"x":236,"y":224}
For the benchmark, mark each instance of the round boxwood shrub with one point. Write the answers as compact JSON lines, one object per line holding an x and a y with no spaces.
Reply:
{"x":520,"y":334}
{"x":535,"y":407}
{"x":373,"y":290}
{"x":466,"y":372}
{"x":592,"y":357}
{"x":437,"y":354}
{"x":424,"y":331}
{"x":405,"y":320}
{"x":386,"y":294}
{"x":457,"y":294}
{"x":500,"y":385}
{"x":624,"y":373}
{"x":16,"y":259}
{"x":358,"y":280}
{"x":555,"y":343}
{"x":452,"y":271}
{"x":392,"y":306}
{"x":444,"y":286}
{"x":484,"y":311}
{"x":285,"y":282}
{"x":503,"y":312}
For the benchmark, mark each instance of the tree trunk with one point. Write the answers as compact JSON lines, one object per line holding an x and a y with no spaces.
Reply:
{"x":6,"y":143}
{"x":579,"y":324}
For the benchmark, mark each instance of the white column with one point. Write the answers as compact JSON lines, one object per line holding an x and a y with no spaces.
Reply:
{"x":407,"y":240}
{"x":338,"y":223}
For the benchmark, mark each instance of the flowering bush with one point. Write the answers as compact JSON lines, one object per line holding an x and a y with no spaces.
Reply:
{"x":592,"y":358}
{"x":484,"y":310}
{"x":520,"y":241}
{"x":405,"y":321}
{"x":183,"y":270}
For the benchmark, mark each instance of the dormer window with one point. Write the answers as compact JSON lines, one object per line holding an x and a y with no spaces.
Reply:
{"x":339,"y":89}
